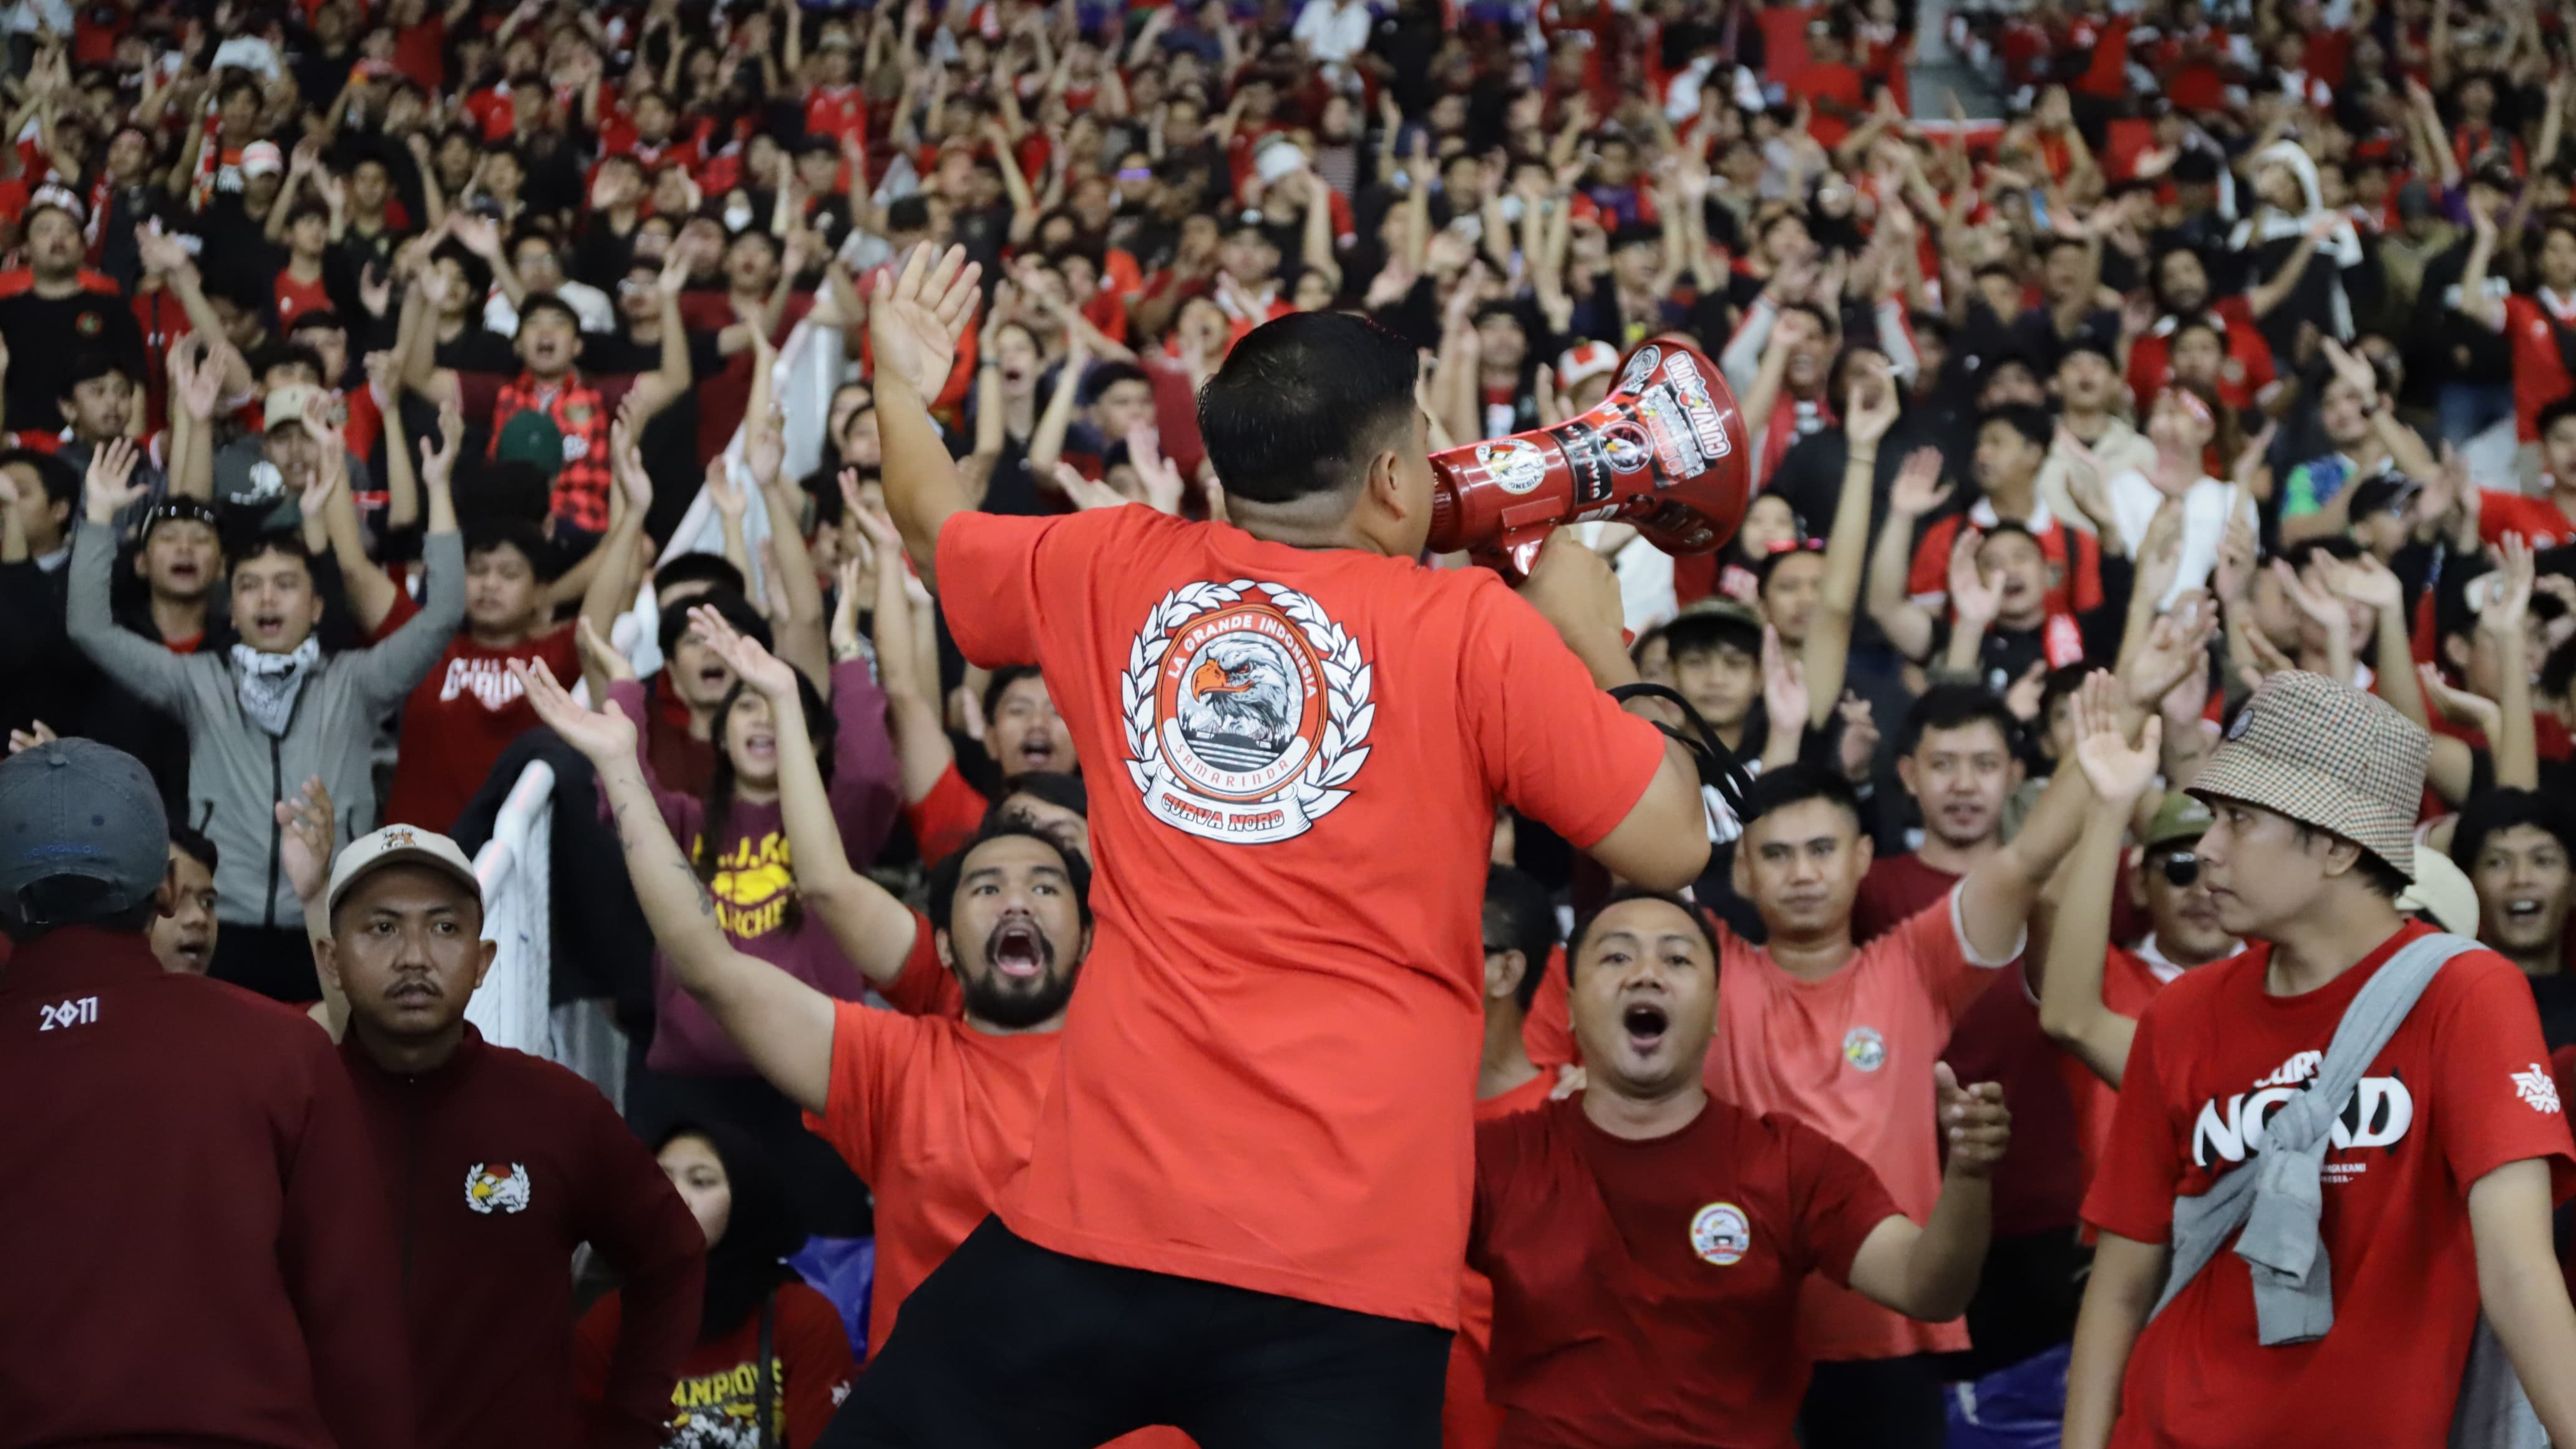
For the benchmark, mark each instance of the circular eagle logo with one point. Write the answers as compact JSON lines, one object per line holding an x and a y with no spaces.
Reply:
{"x":1864,"y":1048}
{"x":1247,"y":711}
{"x":496,"y":1187}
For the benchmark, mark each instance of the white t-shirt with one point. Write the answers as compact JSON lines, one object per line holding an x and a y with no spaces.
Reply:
{"x":2206,"y":506}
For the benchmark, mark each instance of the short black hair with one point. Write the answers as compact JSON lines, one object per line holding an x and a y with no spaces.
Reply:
{"x":287,"y":354}
{"x":1769,"y":564}
{"x":708,"y":568}
{"x":1055,"y":787}
{"x":2558,"y":671}
{"x":745,"y":620}
{"x":286,"y":542}
{"x":908,"y":213}
{"x":486,"y":534}
{"x":1623,"y":895}
{"x":944,"y":877}
{"x":61,"y":480}
{"x":1518,"y":917}
{"x":1001,"y":681}
{"x":317,"y":319}
{"x":194,"y":846}
{"x":1303,"y":403}
{"x":2556,"y":413}
{"x":2501,"y":810}
{"x":1956,"y":706}
{"x":88,"y":365}
{"x":548,"y":302}
{"x":1710,"y":631}
{"x":1796,"y":784}
{"x":2026,"y":419}
{"x":1106,"y":375}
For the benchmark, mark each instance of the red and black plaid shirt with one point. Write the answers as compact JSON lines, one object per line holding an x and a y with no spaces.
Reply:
{"x":580,"y":413}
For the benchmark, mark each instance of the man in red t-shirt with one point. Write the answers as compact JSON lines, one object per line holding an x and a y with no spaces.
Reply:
{"x":1520,"y":942}
{"x":2434,"y":1194}
{"x":2547,"y":519}
{"x":1246,"y":1199}
{"x":933,"y":1106}
{"x":1648,"y":1243}
{"x":1958,"y":765}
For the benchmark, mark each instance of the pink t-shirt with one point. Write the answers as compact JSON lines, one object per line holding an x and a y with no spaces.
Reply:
{"x":1852,"y":1057}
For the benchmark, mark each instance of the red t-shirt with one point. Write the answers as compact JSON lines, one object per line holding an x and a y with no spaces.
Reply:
{"x":2128,"y":985}
{"x":1468,"y":1420}
{"x":946,"y":818}
{"x":837,"y":112}
{"x":1852,"y":1056}
{"x":295,"y":298}
{"x":2540,"y":521}
{"x":1648,"y":1292}
{"x":2079,"y":581}
{"x":459,"y":718}
{"x":2463,"y":1088}
{"x":1896,"y":887}
{"x":2539,"y":372}
{"x":1270,"y":1082}
{"x":810,"y":1370}
{"x":1547,"y":1033}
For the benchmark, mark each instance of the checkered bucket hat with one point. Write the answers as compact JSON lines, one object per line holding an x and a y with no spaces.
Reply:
{"x":2326,"y":755}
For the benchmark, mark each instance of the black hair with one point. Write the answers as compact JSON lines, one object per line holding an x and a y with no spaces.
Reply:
{"x":761,"y":1231}
{"x":2558,"y":671}
{"x":1055,"y":787}
{"x":945,"y":876}
{"x":745,"y":620}
{"x":1646,"y":640}
{"x":1769,"y":564}
{"x":1001,"y":681}
{"x":1710,"y":630}
{"x":317,"y":319}
{"x":286,"y":354}
{"x":2027,"y":419}
{"x":1956,"y":706}
{"x":286,"y":542}
{"x":62,"y":481}
{"x":1303,"y":403}
{"x":1623,"y":895}
{"x":2556,"y":413}
{"x":1106,"y":375}
{"x":2334,"y":546}
{"x":2087,"y":342}
{"x":708,"y":568}
{"x":478,"y":273}
{"x":715,"y":830}
{"x":1796,"y":784}
{"x":486,"y":534}
{"x":548,"y":302}
{"x":2057,"y":684}
{"x":908,"y":213}
{"x":194,"y":846}
{"x":2501,"y":810}
{"x":88,"y":365}
{"x":302,"y":209}
{"x":2009,"y":528}
{"x":1519,"y":918}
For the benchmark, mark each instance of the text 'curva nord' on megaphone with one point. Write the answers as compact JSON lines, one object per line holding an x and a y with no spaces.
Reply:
{"x":1665,"y":451}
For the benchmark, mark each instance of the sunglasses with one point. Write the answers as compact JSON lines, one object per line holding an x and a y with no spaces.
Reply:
{"x":2181,"y":869}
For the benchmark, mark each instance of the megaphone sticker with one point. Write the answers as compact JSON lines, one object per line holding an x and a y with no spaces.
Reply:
{"x":1517,"y":467}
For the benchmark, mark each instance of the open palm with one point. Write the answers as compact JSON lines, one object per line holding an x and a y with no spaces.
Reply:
{"x":605,"y":737}
{"x":2118,"y":772}
{"x":756,"y":666}
{"x":918,"y":315}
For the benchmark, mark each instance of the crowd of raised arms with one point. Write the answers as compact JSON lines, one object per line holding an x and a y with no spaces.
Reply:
{"x":941,"y":486}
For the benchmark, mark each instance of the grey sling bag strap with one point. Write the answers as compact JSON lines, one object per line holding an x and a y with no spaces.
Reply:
{"x":2280,"y":1199}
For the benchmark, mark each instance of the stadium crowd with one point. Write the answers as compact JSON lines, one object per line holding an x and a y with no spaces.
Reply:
{"x":907,"y":470}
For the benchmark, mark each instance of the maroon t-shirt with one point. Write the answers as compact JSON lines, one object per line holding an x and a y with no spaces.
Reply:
{"x":1896,"y":887}
{"x":1647,"y":1292}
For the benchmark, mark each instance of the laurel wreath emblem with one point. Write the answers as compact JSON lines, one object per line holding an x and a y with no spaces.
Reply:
{"x":1348,"y":710}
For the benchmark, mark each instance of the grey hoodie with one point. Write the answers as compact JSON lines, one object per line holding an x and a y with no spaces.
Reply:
{"x":237,"y":772}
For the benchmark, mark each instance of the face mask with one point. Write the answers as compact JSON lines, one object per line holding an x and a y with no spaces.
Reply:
{"x":737,"y":216}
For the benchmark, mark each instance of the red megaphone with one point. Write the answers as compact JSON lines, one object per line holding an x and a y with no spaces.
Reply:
{"x":1666,"y":451}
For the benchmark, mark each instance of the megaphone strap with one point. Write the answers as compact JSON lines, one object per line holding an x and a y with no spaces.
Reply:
{"x":1717,"y":764}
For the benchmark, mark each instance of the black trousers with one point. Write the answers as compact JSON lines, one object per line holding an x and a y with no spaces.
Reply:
{"x":1877,"y":1403}
{"x":1010,"y":1346}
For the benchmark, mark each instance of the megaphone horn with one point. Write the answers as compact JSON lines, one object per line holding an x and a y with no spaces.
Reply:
{"x":1665,"y":451}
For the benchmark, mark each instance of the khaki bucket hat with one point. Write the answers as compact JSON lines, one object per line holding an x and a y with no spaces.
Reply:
{"x":2326,"y":755}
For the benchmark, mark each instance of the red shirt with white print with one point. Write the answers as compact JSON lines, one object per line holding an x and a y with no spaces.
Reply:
{"x":2462,"y":1088}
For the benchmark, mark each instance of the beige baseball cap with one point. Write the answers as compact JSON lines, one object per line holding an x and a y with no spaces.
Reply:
{"x":398,"y":845}
{"x":2443,"y":891}
{"x":2326,"y":755}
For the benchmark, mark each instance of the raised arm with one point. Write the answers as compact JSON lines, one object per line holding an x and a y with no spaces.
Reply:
{"x":156,"y":675}
{"x":1929,"y":1273}
{"x":873,"y":929}
{"x":783,"y":1025}
{"x":1909,"y":626}
{"x":1827,"y":650}
{"x":912,"y":691}
{"x":2505,"y":623}
{"x":612,"y":587}
{"x":1995,"y":898}
{"x":800,"y":635}
{"x":387,"y":671}
{"x":2079,"y":941}
{"x":914,"y":326}
{"x":1046,"y":443}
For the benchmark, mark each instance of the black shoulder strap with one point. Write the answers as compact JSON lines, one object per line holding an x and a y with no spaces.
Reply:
{"x":1717,"y":764}
{"x":765,"y":1391}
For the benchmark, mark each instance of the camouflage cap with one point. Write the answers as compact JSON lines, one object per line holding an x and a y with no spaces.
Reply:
{"x":2326,"y":755}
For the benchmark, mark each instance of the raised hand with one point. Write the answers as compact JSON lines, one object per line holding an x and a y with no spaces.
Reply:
{"x":1784,"y":684}
{"x":438,"y":464}
{"x":1161,"y":477}
{"x":2176,"y":645}
{"x":1087,"y":493}
{"x":852,"y":577}
{"x":305,"y":840}
{"x":2367,"y":581}
{"x":755,"y":666}
{"x":1918,"y":488}
{"x":2237,"y":551}
{"x":2326,"y":611}
{"x":2505,"y":611}
{"x":1860,"y":737}
{"x":1873,"y":403}
{"x":598,"y":655}
{"x":764,"y":447}
{"x":606,"y":737}
{"x":2022,"y":697}
{"x":2459,"y":706}
{"x":2352,"y":369}
{"x":2119,"y":772}
{"x":1974,"y":1121}
{"x":917,"y":318}
{"x":36,"y":733}
{"x":626,"y":456}
{"x":723,"y":492}
{"x":1973,"y":597}
{"x":109,"y":488}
